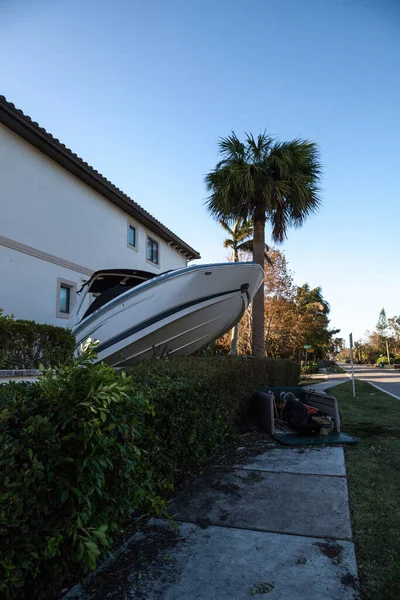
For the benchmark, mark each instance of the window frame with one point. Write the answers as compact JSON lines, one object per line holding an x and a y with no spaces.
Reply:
{"x":135,"y":227}
{"x":154,"y":241}
{"x":66,"y":283}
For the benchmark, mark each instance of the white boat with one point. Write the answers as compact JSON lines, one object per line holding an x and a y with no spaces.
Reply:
{"x":137,"y":314}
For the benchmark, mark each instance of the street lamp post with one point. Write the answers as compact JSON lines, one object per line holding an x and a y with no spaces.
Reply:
{"x":352,"y":365}
{"x":387,"y":350}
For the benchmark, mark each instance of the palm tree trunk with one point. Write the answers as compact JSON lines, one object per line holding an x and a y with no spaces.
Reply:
{"x":234,"y":339}
{"x":235,"y":330}
{"x":258,"y":346}
{"x":267,"y":334}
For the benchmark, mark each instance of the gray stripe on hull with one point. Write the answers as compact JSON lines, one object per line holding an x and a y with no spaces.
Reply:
{"x":164,"y":315}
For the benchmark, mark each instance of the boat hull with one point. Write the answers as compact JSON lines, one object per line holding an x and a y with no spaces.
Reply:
{"x":175,"y":314}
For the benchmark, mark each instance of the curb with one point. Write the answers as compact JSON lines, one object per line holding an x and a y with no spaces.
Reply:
{"x":384,"y":391}
{"x":7,"y":373}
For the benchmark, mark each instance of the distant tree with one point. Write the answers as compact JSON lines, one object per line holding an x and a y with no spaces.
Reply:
{"x":338,"y":344}
{"x":382,"y":327}
{"x":264,"y":180}
{"x":344,"y":354}
{"x":394,"y":323}
{"x":295,"y":315}
{"x":358,"y":351}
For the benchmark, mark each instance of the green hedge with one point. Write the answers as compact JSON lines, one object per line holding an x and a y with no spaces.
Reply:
{"x":26,"y":344}
{"x":197,"y":402}
{"x":85,"y":446}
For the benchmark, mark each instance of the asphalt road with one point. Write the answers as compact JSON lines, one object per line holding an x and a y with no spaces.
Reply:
{"x":387,"y":380}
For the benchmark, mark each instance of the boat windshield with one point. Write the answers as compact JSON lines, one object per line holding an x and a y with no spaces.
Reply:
{"x":106,"y":285}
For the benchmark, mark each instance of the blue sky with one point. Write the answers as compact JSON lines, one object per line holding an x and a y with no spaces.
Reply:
{"x":143,"y":90}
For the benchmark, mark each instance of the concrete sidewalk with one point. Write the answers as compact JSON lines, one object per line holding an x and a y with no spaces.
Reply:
{"x":269,"y":521}
{"x":332,"y":379}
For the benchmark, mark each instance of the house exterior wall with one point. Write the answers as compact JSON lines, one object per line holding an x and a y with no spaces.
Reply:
{"x":50,"y":221}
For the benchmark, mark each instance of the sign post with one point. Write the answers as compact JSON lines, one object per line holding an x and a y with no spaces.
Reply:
{"x":306,"y":347}
{"x":352,"y":365}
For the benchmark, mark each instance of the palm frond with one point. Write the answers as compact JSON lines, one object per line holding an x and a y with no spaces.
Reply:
{"x":231,"y":147}
{"x":258,"y":148}
{"x":225,"y":226}
{"x":246,"y":246}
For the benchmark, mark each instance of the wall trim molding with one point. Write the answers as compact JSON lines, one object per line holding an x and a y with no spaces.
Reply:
{"x":51,"y":258}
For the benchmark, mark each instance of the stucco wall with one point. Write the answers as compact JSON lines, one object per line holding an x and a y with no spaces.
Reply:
{"x":28,"y":286}
{"x":45,"y":207}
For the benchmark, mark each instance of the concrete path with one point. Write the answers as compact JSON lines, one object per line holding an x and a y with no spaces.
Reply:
{"x":332,"y":379}
{"x":274,"y":523}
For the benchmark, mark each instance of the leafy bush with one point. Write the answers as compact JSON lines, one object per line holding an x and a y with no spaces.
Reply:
{"x":70,"y":470}
{"x":26,"y":344}
{"x":197,"y":402}
{"x":382,"y":359}
{"x":86,"y":445}
{"x":310,"y":368}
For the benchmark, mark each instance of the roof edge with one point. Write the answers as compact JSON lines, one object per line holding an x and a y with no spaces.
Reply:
{"x":15,"y":120}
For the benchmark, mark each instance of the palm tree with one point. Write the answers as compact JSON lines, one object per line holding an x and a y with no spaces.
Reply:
{"x":240,"y":239}
{"x":240,"y":236}
{"x":263,"y":180}
{"x":357,"y":351}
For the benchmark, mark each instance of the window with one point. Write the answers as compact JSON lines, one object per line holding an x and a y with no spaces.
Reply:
{"x":152,"y":251}
{"x":132,"y":236}
{"x":65,"y":298}
{"x":66,"y":291}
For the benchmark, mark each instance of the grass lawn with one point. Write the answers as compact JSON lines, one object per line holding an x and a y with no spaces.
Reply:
{"x":373,"y":468}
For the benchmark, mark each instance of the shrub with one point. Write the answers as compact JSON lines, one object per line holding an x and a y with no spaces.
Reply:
{"x":197,"y":402}
{"x":384,"y":360}
{"x":86,"y":445}
{"x":310,"y":368}
{"x":325,"y":364}
{"x":70,"y":470}
{"x":26,"y":344}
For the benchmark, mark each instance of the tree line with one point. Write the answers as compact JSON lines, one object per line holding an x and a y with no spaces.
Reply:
{"x":382,"y":344}
{"x":295,"y":316}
